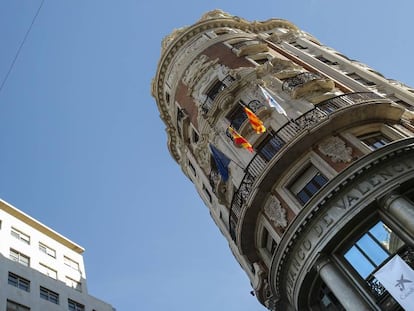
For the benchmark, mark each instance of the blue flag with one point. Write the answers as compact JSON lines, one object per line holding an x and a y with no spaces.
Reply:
{"x":222,"y":162}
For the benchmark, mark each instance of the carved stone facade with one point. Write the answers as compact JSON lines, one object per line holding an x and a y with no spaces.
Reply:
{"x":336,"y":149}
{"x":275,"y":212}
{"x":291,"y":209}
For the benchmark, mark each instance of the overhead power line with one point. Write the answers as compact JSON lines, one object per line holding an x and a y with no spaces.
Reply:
{"x":21,"y":46}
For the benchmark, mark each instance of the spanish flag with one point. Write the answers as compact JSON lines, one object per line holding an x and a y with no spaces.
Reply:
{"x":240,"y":140}
{"x":255,"y":122}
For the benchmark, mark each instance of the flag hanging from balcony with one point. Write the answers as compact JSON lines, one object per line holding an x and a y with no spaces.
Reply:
{"x":222,"y":162}
{"x":398,"y":279}
{"x":272,"y":102}
{"x":240,"y":140}
{"x":254,"y":120}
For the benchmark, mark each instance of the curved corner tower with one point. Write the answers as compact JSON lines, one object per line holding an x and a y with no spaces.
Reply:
{"x":323,"y":198}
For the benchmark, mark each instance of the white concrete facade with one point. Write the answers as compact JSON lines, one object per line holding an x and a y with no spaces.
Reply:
{"x":39,"y":268}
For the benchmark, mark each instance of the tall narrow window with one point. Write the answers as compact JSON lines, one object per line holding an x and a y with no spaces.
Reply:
{"x":375,"y":140}
{"x":217,"y":87}
{"x":268,"y":242}
{"x":307,"y":184}
{"x":207,"y":193}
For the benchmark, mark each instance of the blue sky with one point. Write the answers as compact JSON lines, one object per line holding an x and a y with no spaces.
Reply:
{"x":84,"y":151}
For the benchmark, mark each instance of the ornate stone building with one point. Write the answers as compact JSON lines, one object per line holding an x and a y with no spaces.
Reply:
{"x":325,"y":197}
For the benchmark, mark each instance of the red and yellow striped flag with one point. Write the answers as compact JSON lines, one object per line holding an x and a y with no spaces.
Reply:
{"x":255,"y":122}
{"x":240,"y":140}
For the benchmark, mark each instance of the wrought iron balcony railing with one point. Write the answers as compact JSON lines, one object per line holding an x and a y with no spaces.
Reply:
{"x":275,"y":141}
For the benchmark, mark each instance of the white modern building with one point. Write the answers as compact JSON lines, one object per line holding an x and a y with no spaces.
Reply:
{"x":39,"y":268}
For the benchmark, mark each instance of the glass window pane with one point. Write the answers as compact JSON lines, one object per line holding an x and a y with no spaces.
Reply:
{"x":372,"y":249}
{"x":359,"y":262}
{"x":303,"y":197}
{"x":311,"y":187}
{"x":320,"y":180}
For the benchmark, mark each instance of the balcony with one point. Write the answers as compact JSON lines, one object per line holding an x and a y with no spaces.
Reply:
{"x":275,"y":141}
{"x":306,"y":82}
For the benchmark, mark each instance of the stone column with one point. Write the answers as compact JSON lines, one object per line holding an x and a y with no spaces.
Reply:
{"x":343,"y":290}
{"x":401,"y":209}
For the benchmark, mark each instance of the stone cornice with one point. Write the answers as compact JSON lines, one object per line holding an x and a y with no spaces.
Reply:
{"x":172,"y":44}
{"x":335,"y":205}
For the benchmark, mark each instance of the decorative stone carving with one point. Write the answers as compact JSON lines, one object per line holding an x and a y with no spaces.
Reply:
{"x":280,"y":68}
{"x":170,"y":38}
{"x":336,"y":149}
{"x":214,"y":71}
{"x":202,"y":153}
{"x":275,"y":212}
{"x":183,"y":57}
{"x":197,"y":69}
{"x":215,"y":14}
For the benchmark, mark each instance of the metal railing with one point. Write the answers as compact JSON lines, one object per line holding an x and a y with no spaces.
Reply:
{"x":276,"y":140}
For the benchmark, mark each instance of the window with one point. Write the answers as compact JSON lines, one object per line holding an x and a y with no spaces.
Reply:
{"x":307,"y":184}
{"x":71,"y":263}
{"x":191,"y":166}
{"x":377,"y":245}
{"x":75,"y":306}
{"x":267,"y":241}
{"x":19,"y":257}
{"x":20,"y":235}
{"x":49,"y":295}
{"x":19,"y":282}
{"x":374,"y":140}
{"x":207,"y":193}
{"x":270,"y":146}
{"x":328,"y":301}
{"x":217,"y":87}
{"x":360,"y":79}
{"x":299,"y":46}
{"x":195,"y":136}
{"x":47,"y":250}
{"x":48,"y":271}
{"x":326,"y":61}
{"x":74,"y":284}
{"x":14,"y":306}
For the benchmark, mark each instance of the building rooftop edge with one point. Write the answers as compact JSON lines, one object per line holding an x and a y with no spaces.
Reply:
{"x":7,"y":207}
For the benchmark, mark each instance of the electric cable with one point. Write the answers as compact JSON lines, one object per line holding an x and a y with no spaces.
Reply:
{"x":21,"y":46}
